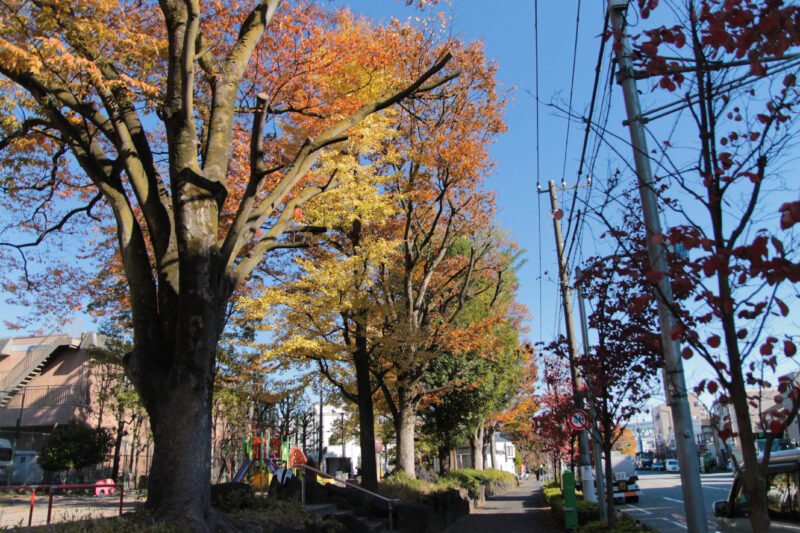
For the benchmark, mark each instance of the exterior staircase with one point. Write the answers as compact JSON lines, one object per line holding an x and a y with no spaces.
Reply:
{"x":31,"y":365}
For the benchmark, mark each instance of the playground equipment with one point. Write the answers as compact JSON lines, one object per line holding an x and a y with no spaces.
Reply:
{"x":266,"y":457}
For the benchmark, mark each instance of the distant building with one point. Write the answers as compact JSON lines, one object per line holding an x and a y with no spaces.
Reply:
{"x":664,"y":429}
{"x":762,"y":402}
{"x":335,"y":457}
{"x":50,"y":380}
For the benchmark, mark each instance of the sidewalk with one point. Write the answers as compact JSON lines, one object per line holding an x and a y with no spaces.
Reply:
{"x":517,"y":511}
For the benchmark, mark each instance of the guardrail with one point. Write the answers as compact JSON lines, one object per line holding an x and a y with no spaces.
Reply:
{"x":389,"y":501}
{"x":53,"y":488}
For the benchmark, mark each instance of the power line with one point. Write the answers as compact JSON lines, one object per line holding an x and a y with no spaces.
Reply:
{"x":571,"y":89}
{"x":538,"y":175}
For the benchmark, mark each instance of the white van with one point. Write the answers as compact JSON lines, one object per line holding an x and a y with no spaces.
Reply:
{"x":5,"y":460}
{"x":783,"y":497}
{"x":672,"y":465}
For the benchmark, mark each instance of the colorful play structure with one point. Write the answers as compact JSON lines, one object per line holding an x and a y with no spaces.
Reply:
{"x":267,"y":456}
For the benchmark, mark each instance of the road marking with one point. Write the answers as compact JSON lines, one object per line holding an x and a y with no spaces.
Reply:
{"x":672,"y":500}
{"x":645,"y":511}
{"x":717,"y":488}
{"x":673,"y":521}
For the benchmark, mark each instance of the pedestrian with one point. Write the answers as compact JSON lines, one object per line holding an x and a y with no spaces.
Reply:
{"x":538,"y":473}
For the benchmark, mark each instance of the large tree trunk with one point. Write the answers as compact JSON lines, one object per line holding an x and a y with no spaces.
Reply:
{"x":492,"y":447}
{"x":404,"y":427}
{"x":366,"y":414}
{"x":180,"y":475}
{"x":476,"y":447}
{"x":445,"y":464}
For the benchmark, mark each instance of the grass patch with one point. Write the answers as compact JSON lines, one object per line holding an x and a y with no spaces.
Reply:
{"x":107,"y":525}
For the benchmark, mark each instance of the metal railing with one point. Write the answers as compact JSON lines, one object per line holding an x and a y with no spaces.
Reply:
{"x":40,"y":396}
{"x":35,"y":354}
{"x":389,"y":501}
{"x":53,"y":488}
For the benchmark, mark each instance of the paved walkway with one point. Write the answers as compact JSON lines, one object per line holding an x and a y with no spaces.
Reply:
{"x":518,"y":511}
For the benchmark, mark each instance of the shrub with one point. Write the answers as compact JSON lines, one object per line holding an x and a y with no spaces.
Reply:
{"x":270,"y":515}
{"x":465,"y":481}
{"x":587,"y":512}
{"x":74,"y":445}
{"x":401,"y":487}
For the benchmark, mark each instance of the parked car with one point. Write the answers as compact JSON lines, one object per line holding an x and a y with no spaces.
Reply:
{"x":672,"y":465}
{"x":783,"y":498}
{"x":658,"y":465}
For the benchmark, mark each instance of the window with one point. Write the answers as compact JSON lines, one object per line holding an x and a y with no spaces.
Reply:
{"x":509,"y":452}
{"x":5,"y":454}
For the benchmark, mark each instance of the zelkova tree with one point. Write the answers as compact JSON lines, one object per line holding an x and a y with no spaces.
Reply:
{"x":441,"y":162}
{"x":191,"y":130}
{"x":730,"y":59}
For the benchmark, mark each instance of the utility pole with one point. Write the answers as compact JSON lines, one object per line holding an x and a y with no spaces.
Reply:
{"x":587,"y":480}
{"x":674,"y":380}
{"x":598,"y":453}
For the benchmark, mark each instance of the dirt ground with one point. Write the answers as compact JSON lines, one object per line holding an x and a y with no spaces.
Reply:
{"x":15,"y":509}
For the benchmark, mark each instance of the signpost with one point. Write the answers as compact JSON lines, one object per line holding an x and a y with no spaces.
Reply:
{"x":579,"y":420}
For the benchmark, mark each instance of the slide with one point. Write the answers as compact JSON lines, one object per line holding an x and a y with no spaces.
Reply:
{"x":239,"y":477}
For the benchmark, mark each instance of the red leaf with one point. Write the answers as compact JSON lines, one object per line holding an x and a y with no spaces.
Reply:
{"x":658,"y":238}
{"x":558,"y":215}
{"x":789,"y":348}
{"x":676,"y":332}
{"x":766,"y":349}
{"x":654,"y":276}
{"x":742,"y":333}
{"x":713,"y":341}
{"x":776,"y":426}
{"x":712,"y":387}
{"x":687,"y":353}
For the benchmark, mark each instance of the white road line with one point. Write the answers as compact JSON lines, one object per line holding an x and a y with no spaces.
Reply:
{"x":673,"y":522}
{"x":672,"y":500}
{"x":645,"y":511}
{"x":717,"y":488}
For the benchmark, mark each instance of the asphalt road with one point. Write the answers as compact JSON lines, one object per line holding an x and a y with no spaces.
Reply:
{"x":660,"y":502}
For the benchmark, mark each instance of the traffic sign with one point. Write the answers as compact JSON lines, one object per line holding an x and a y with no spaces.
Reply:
{"x":579,"y":419}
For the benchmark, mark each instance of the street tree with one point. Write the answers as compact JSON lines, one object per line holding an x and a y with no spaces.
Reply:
{"x":190,"y":131}
{"x":621,"y":367}
{"x":731,"y":63}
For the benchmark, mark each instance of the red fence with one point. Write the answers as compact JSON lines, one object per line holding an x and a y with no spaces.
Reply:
{"x":53,"y":488}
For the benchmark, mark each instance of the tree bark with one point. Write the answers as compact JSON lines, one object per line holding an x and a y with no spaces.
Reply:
{"x":610,"y":508}
{"x":366,"y":414}
{"x":404,"y":427}
{"x":493,"y":447}
{"x":476,"y":447}
{"x":118,"y":447}
{"x":754,"y":472}
{"x":445,"y":464}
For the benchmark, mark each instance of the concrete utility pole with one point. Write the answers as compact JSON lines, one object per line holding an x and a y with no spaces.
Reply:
{"x":674,"y":381}
{"x":598,"y":453}
{"x":587,"y":480}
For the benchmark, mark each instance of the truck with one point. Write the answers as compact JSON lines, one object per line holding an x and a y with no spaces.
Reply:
{"x":644,"y":461}
{"x":626,"y":479}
